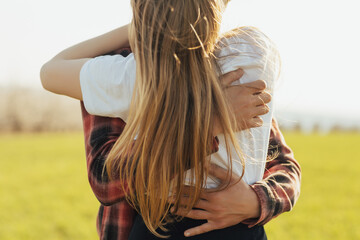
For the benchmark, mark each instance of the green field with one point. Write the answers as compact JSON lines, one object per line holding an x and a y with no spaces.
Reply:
{"x":45,"y":194}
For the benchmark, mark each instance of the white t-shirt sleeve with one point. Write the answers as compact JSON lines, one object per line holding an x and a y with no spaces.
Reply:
{"x":107,"y":84}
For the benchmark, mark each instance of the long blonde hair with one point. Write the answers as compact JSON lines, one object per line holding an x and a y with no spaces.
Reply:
{"x":176,"y":96}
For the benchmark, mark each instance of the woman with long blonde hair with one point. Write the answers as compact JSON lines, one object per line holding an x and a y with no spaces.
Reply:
{"x":177,"y":103}
{"x":177,"y":95}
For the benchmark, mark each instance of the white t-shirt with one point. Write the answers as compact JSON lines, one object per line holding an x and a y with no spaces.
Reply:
{"x":107,"y":84}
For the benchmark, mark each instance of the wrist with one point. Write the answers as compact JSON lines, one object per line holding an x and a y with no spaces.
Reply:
{"x":254,"y":204}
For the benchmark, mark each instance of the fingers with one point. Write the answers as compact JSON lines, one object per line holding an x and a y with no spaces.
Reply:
{"x":259,"y":110}
{"x":193,"y":213}
{"x":184,"y":200}
{"x":203,"y":204}
{"x":262,"y":110}
{"x":262,"y":98}
{"x":188,"y":190}
{"x":255,"y":122}
{"x":230,"y":77}
{"x":206,"y":227}
{"x":256,"y":86}
{"x":255,"y":90}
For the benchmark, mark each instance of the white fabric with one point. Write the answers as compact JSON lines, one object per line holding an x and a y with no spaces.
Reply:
{"x":107,"y":85}
{"x":256,"y":55}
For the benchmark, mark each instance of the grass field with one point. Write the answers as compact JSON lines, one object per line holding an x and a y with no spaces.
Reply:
{"x":45,"y":194}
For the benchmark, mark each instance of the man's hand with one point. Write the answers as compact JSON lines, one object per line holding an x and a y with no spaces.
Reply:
{"x":248,"y":101}
{"x":224,"y":208}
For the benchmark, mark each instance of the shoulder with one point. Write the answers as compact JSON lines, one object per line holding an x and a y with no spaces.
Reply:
{"x":111,"y":60}
{"x":107,"y":83}
{"x":246,"y":40}
{"x":250,"y":49}
{"x":108,"y":68}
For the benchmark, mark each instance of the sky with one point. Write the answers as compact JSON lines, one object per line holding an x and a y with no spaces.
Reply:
{"x":318,"y":41}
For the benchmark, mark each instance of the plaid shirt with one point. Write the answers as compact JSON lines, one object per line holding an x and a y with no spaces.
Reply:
{"x":277,"y":192}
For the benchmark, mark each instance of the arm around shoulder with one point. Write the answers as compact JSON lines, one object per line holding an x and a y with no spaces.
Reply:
{"x":61,"y":74}
{"x":63,"y":77}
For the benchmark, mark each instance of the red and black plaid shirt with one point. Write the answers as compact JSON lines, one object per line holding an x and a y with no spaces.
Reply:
{"x":278,"y":191}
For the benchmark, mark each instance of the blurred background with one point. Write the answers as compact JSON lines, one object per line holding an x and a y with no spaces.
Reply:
{"x":43,"y":184}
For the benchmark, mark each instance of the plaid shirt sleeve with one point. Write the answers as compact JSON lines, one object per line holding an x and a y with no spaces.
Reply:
{"x":100,"y":135}
{"x":280,"y":187}
{"x":115,"y":215}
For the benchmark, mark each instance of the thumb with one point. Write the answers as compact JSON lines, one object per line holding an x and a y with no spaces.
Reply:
{"x":230,"y":77}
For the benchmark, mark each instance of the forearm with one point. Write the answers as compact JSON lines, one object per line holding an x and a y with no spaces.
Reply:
{"x":61,"y":74}
{"x":280,"y":187}
{"x":97,"y":46}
